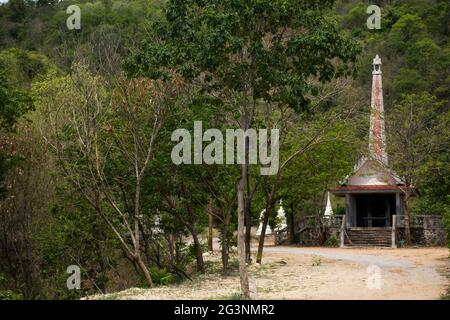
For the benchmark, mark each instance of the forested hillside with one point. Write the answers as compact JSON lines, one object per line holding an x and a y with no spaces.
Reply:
{"x":86,"y":118}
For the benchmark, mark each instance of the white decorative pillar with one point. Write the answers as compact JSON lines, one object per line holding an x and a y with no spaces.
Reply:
{"x":328,"y":209}
{"x":281,"y":214}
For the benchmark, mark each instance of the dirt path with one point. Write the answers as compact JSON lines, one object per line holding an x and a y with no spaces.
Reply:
{"x":404,"y":273}
{"x":320,"y":273}
{"x":346,"y":255}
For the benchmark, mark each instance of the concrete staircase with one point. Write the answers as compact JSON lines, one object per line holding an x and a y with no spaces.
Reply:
{"x":375,"y":237}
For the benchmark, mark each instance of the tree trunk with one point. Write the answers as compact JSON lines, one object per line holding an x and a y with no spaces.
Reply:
{"x":178,"y":245}
{"x":210,"y":226}
{"x":291,"y":228}
{"x":248,"y":229}
{"x":225,"y":249}
{"x":140,"y":263}
{"x":245,"y":290}
{"x":198,"y":251}
{"x":263,"y":234}
{"x":171,"y":243}
{"x":408,"y":241}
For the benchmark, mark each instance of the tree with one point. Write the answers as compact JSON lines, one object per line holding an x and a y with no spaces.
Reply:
{"x":185,"y":198}
{"x":414,"y":137}
{"x":14,"y":102}
{"x":249,"y":51}
{"x":104,"y":143}
{"x":315,"y":149}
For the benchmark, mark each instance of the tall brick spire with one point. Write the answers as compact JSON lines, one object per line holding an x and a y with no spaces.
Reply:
{"x":377,"y":139}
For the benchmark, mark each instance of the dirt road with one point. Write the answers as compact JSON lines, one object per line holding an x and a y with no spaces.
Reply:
{"x":404,"y":273}
{"x":320,"y":273}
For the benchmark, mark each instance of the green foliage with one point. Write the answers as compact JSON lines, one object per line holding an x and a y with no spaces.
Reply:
{"x":23,"y":67}
{"x":10,"y":295}
{"x":14,"y":102}
{"x":230,"y":46}
{"x":339,"y":210}
{"x":233,"y":296}
{"x":308,"y":176}
{"x":226,"y":41}
{"x":160,"y":276}
{"x":75,"y":236}
{"x":331,"y":242}
{"x":406,"y":31}
{"x":415,"y":134}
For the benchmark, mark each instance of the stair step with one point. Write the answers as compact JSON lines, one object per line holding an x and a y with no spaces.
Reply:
{"x":374,"y":237}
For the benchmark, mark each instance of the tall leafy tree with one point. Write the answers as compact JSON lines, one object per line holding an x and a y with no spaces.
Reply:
{"x":415,"y":137}
{"x":247,"y":53}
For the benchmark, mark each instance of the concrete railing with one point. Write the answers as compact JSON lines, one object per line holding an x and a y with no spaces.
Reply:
{"x":420,"y":221}
{"x":343,"y":231}
{"x":394,"y":231}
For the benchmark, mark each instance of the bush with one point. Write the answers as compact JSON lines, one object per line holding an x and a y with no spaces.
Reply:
{"x":339,"y":210}
{"x":332,"y":242}
{"x":191,"y":251}
{"x":160,"y":277}
{"x":10,"y":295}
{"x":233,"y":296}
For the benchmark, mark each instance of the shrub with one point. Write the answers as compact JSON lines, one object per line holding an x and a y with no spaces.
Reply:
{"x":233,"y":296}
{"x":191,"y":251}
{"x":332,"y":242}
{"x":10,"y":295}
{"x":160,"y":277}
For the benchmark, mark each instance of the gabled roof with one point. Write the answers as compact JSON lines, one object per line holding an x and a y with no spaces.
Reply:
{"x":370,"y":175}
{"x":371,"y":171}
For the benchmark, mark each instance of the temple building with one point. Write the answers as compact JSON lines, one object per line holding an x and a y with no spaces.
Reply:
{"x":372,"y":191}
{"x":373,"y":199}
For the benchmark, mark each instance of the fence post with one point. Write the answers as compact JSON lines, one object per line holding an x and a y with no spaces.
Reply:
{"x":394,"y":231}
{"x":342,"y":232}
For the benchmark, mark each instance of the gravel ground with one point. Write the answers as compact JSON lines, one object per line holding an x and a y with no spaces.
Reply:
{"x":319,"y":273}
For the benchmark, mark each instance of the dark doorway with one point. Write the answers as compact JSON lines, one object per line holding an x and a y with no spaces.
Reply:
{"x":375,"y":210}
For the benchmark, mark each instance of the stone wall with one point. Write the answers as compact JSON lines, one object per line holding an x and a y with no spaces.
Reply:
{"x":333,"y":233}
{"x":424,"y":236}
{"x":312,"y":237}
{"x":309,"y":237}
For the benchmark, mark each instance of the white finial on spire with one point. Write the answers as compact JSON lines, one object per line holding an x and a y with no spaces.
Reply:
{"x":377,"y":65}
{"x":281,"y":214}
{"x":377,"y":60}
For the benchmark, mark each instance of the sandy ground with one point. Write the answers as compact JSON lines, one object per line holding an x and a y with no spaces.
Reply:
{"x":319,"y":273}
